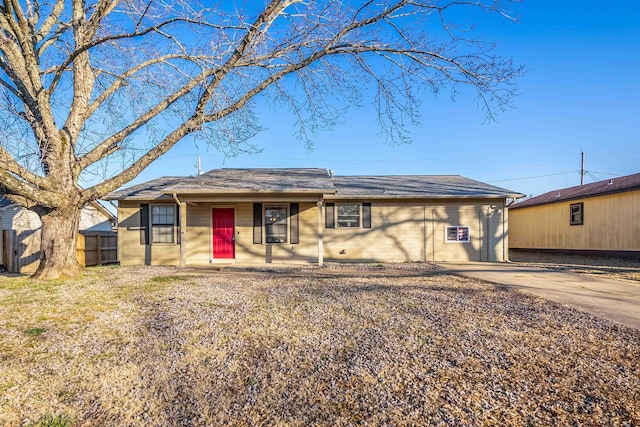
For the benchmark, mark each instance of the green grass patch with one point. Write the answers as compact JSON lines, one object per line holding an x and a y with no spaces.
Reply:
{"x":167,"y":279}
{"x":34,"y":332}
{"x":15,"y":283}
{"x":54,"y":421}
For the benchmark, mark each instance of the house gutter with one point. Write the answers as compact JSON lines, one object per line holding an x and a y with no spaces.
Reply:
{"x":515,"y":199}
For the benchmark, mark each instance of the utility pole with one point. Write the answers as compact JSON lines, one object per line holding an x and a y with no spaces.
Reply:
{"x":198,"y":166}
{"x":582,"y":169}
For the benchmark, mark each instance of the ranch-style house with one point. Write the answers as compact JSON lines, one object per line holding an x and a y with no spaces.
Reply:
{"x":310,"y":216}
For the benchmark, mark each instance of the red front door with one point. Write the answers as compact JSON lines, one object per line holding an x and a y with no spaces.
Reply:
{"x":223,"y":240}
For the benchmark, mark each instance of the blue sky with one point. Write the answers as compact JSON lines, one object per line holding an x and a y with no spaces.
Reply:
{"x":581,"y":92}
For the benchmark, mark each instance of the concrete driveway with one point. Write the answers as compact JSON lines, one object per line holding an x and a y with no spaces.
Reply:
{"x":618,"y":301}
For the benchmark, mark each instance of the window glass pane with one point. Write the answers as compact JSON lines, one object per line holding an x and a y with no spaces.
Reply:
{"x":162,"y":233}
{"x":577,"y":214}
{"x":458,"y":234}
{"x":162,"y":215}
{"x":162,"y":222}
{"x":275,"y":224}
{"x":452,"y":234}
{"x":349,"y":215}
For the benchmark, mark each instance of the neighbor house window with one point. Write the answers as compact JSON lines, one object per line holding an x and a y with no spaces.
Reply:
{"x":275,"y":224}
{"x":457,"y":234}
{"x":577,"y":214}
{"x":162,"y":224}
{"x":348,"y":215}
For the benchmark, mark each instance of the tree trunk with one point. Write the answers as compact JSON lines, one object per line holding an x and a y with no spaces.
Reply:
{"x":59,"y":236}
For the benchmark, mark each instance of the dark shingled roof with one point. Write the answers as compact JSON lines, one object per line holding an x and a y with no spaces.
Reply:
{"x":149,"y":190}
{"x":256,"y":180}
{"x":608,"y":186}
{"x":417,"y":186}
{"x":311,"y":180}
{"x":231,"y":181}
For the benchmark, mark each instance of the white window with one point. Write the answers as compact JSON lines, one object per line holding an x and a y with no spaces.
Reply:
{"x":348,"y":215}
{"x":162,"y":224}
{"x":275,"y":224}
{"x":457,"y":234}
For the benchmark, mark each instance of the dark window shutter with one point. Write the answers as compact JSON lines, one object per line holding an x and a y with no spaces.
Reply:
{"x":178,"y":222}
{"x":366,"y":215}
{"x":257,"y":223}
{"x":329,"y":216}
{"x":293,"y":217}
{"x":144,"y":224}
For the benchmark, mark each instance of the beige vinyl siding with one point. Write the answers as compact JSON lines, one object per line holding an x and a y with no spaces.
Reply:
{"x":131,"y":252}
{"x":305,"y":251}
{"x":416,"y":232}
{"x":611,"y":223}
{"x":397,"y":233}
{"x":198,"y":236}
{"x":401,"y":231}
{"x":451,"y":216}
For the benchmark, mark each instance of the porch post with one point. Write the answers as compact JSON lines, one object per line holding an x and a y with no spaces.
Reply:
{"x":183,"y":234}
{"x":320,"y":235}
{"x":505,"y":233}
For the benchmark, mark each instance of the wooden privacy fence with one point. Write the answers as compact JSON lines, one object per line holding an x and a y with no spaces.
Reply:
{"x":97,"y":248}
{"x":21,"y":251}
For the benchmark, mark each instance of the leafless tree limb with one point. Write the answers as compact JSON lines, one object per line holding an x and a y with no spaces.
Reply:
{"x":84,"y":81}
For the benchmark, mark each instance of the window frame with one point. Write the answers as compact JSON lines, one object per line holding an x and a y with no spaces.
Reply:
{"x":580,"y":211}
{"x":287,"y":223}
{"x":457,"y":228}
{"x":153,"y":224}
{"x":337,"y":215}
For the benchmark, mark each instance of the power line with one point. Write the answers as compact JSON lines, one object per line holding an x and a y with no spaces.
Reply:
{"x":533,"y":177}
{"x":593,"y":177}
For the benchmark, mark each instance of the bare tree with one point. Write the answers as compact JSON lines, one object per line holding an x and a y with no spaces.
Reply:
{"x":111,"y":85}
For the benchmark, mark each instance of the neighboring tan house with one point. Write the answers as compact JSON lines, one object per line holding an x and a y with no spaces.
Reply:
{"x":21,"y":248}
{"x":308,"y":215}
{"x":598,"y":218}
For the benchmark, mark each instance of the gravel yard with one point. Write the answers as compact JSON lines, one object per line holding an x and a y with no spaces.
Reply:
{"x":379,"y":345}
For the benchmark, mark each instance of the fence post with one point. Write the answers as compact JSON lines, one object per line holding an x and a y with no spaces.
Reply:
{"x":12,"y":257}
{"x":6,"y":251}
{"x":80,"y":250}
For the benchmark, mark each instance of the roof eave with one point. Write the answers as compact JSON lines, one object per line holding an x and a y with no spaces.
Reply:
{"x":570,"y":199}
{"x":427,"y":196}
{"x":244,"y":192}
{"x":160,"y":197}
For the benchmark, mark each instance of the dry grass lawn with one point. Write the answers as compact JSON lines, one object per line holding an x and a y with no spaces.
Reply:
{"x":158,"y":346}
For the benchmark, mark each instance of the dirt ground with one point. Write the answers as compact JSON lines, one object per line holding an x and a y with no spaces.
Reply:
{"x":399,"y":345}
{"x":613,"y":268}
